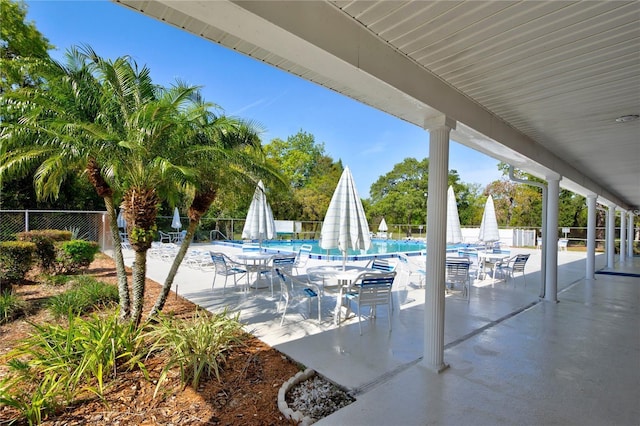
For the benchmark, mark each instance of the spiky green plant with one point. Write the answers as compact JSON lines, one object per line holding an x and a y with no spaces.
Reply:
{"x":11,"y":306}
{"x":197,"y":346}
{"x":57,"y":364}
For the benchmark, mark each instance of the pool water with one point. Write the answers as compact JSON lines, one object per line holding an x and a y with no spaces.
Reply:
{"x":377,"y":247}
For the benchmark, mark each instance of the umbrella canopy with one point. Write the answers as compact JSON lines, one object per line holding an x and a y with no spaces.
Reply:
{"x":122,"y":223}
{"x":259,"y":224}
{"x":345,"y":224}
{"x":383,"y":226}
{"x":454,"y":233}
{"x":489,"y":226}
{"x":175,"y":223}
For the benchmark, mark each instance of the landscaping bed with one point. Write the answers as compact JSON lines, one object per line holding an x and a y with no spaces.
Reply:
{"x":251,"y":376}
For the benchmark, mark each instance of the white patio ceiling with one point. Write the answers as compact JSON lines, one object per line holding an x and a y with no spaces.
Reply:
{"x":538,"y":84}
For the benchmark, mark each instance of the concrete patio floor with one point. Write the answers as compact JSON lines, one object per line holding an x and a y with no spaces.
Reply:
{"x":514,"y":359}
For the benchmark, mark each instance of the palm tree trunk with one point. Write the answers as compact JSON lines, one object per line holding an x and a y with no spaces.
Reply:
{"x":123,"y":285}
{"x":139,"y":277}
{"x":168,"y":282}
{"x":199,"y":206}
{"x":94,"y":174}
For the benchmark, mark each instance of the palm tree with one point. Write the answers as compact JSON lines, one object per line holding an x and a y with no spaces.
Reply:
{"x":82,"y":120}
{"x":222,"y":150}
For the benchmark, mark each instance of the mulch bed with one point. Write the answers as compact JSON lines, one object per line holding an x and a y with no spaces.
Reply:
{"x":246,"y":394}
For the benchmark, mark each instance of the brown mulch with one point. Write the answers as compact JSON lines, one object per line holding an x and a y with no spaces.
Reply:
{"x":246,"y":394}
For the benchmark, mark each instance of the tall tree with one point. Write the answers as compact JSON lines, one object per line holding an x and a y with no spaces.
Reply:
{"x":312,"y":177}
{"x":297,"y":157}
{"x":222,"y":152}
{"x":64,"y":128}
{"x":21,"y":47}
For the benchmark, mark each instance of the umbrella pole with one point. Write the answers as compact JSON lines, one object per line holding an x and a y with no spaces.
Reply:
{"x":344,"y":260}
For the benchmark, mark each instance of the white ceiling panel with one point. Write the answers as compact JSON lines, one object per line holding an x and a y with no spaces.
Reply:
{"x":543,"y":80}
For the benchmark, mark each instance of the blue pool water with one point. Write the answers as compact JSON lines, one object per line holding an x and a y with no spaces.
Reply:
{"x":379,"y":248}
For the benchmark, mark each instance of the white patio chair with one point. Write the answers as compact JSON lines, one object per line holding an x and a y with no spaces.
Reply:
{"x":225,"y":266}
{"x":292,"y":288}
{"x":512,"y":265}
{"x":302,"y":257}
{"x":372,"y":290}
{"x":457,"y":272}
{"x":164,"y":237}
{"x":381,"y":265}
{"x":562,"y":244}
{"x":283,"y":262}
{"x":180,"y":237}
{"x":198,"y":259}
{"x":168,"y":251}
{"x":410,"y":268}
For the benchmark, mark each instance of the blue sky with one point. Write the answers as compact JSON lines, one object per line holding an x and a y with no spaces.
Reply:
{"x":370,"y":142}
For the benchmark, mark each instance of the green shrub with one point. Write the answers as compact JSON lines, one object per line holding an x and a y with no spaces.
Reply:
{"x":16,"y":258}
{"x":87,"y":294}
{"x":11,"y":306}
{"x":44,"y":240}
{"x":198,"y":346}
{"x":74,"y":255}
{"x":56,"y":280}
{"x":56,"y":365}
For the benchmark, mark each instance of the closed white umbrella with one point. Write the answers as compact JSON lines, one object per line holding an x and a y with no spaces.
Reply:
{"x":122,"y":223}
{"x":454,"y":233}
{"x":259,"y":224}
{"x":383,"y":226}
{"x":489,"y":226}
{"x":345,"y":224}
{"x":175,"y":223}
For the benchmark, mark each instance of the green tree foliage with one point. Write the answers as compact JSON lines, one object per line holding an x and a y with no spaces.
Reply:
{"x":400,"y":196}
{"x":296,"y":157}
{"x":519,"y":204}
{"x":312,"y":177}
{"x":20,"y":44}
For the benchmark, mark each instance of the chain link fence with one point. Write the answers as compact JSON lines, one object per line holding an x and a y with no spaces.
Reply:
{"x":94,"y":226}
{"x":87,"y":225}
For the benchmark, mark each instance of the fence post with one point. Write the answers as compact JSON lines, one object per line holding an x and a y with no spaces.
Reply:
{"x":26,"y":221}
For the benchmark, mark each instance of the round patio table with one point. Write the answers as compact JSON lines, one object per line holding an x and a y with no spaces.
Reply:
{"x":489,"y":260}
{"x":255,"y":262}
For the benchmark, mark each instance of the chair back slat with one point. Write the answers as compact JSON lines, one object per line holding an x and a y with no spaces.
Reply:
{"x":382,"y":265}
{"x":520,"y":262}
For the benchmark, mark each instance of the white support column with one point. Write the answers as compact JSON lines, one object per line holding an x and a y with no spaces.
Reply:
{"x":623,"y":235}
{"x":434,"y":305}
{"x":630,"y":235}
{"x":611,"y":235}
{"x":551,"y":259}
{"x":591,"y":236}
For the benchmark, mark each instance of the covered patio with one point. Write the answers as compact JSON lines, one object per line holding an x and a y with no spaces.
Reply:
{"x":506,"y":367}
{"x":551,"y":89}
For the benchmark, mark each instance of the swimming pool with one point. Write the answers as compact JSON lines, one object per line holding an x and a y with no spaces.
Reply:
{"x":379,"y":248}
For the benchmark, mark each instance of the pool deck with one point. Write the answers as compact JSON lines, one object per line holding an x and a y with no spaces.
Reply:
{"x":513,"y":358}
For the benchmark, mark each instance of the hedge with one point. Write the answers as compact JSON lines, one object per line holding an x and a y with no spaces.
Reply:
{"x":16,"y":258}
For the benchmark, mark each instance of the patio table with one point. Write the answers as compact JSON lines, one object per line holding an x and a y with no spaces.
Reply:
{"x":337,"y":277}
{"x":256,"y":263}
{"x":489,"y":260}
